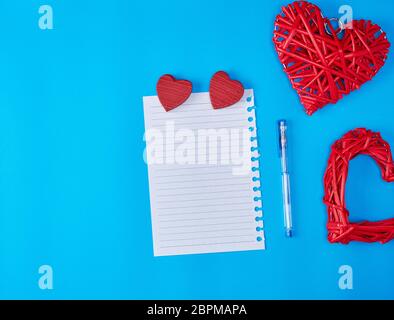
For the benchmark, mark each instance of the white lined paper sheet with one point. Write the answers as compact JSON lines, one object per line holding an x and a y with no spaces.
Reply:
{"x":204,"y":180}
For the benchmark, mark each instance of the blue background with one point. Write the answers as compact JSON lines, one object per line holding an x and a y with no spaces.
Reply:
{"x":74,"y":187}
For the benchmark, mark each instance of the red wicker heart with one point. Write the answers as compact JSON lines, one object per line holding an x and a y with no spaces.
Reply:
{"x":171,"y":92}
{"x":354,"y":143}
{"x":223,"y":91}
{"x":324,"y":66}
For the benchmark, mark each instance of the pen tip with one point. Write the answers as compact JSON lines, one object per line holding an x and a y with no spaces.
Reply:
{"x":289,"y":233}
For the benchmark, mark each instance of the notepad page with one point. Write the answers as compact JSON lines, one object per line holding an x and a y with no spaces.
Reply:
{"x":203,"y":176}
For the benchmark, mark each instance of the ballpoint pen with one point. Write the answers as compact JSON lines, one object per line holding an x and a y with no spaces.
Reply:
{"x":282,"y":124}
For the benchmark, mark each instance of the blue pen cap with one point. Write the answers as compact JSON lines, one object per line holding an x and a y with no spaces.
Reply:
{"x":282,"y":128}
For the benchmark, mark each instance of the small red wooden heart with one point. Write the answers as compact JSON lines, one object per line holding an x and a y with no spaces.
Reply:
{"x":223,"y":91}
{"x":324,"y":66}
{"x":354,"y":143}
{"x":171,"y":92}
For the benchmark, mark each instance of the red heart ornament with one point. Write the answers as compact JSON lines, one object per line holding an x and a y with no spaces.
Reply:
{"x":324,"y":66}
{"x":223,"y":91}
{"x":171,"y":92}
{"x":354,"y":143}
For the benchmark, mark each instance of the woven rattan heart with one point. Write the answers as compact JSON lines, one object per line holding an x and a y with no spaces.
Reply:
{"x":324,"y":64}
{"x":354,"y":143}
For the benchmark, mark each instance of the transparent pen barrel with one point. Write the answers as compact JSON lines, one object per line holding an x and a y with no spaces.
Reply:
{"x":286,"y":201}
